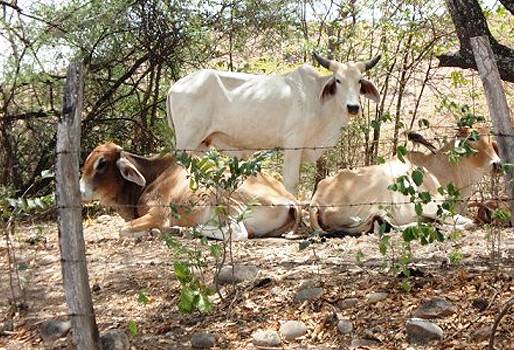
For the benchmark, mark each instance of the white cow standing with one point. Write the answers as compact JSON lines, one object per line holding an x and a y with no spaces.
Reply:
{"x":295,"y":111}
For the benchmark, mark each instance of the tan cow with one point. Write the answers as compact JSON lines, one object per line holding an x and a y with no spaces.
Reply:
{"x":155,"y":193}
{"x":342,"y":202}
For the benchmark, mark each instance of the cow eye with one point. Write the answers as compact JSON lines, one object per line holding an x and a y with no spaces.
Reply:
{"x":101,"y":165}
{"x":338,"y":80}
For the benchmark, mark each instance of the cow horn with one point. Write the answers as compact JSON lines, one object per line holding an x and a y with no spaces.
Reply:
{"x":321,"y":60}
{"x":372,"y":62}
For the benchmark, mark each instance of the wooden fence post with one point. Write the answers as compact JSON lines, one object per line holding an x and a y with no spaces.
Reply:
{"x":69,"y":215}
{"x":498,"y":107}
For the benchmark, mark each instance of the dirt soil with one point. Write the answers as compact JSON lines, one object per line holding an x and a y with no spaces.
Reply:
{"x":119,"y":270}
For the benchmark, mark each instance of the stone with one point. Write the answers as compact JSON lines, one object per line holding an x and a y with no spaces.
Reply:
{"x":482,"y":333}
{"x":345,"y":326}
{"x":373,"y":298}
{"x":242,"y":272}
{"x":266,"y":338}
{"x":308,"y":294}
{"x":293,"y":329}
{"x":52,"y":330}
{"x":435,"y":308}
{"x":347,"y":303}
{"x":203,"y":340}
{"x":103,"y":219}
{"x":421,"y":331}
{"x":480,"y":303}
{"x":46,"y":260}
{"x":311,"y":283}
{"x":358,"y":343}
{"x":6,"y":326}
{"x":115,"y":339}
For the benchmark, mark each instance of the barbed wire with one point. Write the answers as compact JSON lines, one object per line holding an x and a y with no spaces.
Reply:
{"x":302,"y":148}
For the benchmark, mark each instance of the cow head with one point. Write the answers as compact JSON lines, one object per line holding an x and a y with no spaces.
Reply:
{"x":347,"y":83}
{"x":486,"y":156}
{"x":104,"y":173}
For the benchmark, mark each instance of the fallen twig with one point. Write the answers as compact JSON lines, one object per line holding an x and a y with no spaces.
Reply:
{"x":506,"y":308}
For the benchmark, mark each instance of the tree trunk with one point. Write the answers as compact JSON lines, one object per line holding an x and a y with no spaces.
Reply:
{"x":469,"y":21}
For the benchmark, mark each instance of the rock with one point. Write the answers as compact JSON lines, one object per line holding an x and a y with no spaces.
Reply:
{"x":347,"y":303}
{"x":308,"y":294}
{"x":345,"y":326}
{"x":46,"y":260}
{"x":293,"y":329}
{"x":203,"y":340}
{"x":6,"y":326}
{"x":421,"y":331}
{"x":242,"y":272}
{"x":363,"y":343}
{"x":308,"y":284}
{"x":480,"y":303}
{"x":103,"y":219}
{"x":115,"y":339}
{"x":52,"y":330}
{"x":373,"y":298}
{"x":482,"y":333}
{"x":266,"y":338}
{"x":435,"y":308}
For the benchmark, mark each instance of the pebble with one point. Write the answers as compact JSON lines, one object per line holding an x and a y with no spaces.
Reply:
{"x":103,"y":219}
{"x":480,"y":303}
{"x":308,"y":294}
{"x":347,"y":303}
{"x":293,"y":329}
{"x":115,"y":339}
{"x":265,"y":338}
{"x":482,"y":333}
{"x":52,"y":330}
{"x":241,"y":273}
{"x":345,"y":326}
{"x":363,"y":343}
{"x":203,"y":340}
{"x":373,"y":298}
{"x":435,"y":308}
{"x":421,"y":331}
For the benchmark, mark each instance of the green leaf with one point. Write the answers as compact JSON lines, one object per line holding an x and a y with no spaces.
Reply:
{"x":417,"y":176}
{"x":203,"y":304}
{"x":142,"y":298}
{"x":384,"y":244}
{"x":185,"y":304}
{"x":215,"y":250}
{"x":419,"y":209}
{"x":304,"y":244}
{"x":425,"y":197}
{"x":409,"y":234}
{"x":401,"y":151}
{"x":182,"y":272}
{"x":132,"y":328}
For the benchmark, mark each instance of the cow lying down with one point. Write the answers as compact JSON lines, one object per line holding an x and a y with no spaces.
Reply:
{"x":342,"y":202}
{"x":154,"y":193}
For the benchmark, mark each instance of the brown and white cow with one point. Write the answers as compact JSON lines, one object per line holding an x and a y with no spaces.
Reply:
{"x":155,"y":193}
{"x":342,"y":203}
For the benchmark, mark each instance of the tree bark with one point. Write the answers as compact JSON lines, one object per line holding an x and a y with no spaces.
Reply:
{"x":498,"y":107}
{"x":69,"y":215}
{"x":469,"y":21}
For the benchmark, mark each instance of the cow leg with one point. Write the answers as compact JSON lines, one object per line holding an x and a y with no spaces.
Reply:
{"x":291,"y":171}
{"x":239,"y":232}
{"x":153,"y":219}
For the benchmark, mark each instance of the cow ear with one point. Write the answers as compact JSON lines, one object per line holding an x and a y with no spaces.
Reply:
{"x":495,"y":147}
{"x":329,"y":89}
{"x":369,"y":90}
{"x":130,"y":172}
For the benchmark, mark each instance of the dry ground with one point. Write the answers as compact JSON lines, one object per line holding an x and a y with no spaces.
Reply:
{"x":120,"y":270}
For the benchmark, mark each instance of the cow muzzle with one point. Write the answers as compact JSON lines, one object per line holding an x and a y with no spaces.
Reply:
{"x":353,"y":109}
{"x":85,"y":191}
{"x":497,"y":167}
